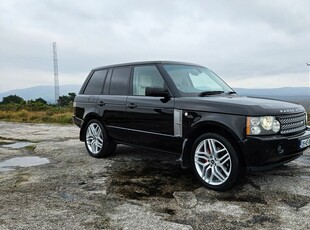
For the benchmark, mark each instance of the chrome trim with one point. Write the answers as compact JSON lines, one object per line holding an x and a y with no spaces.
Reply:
{"x":177,"y":122}
{"x":141,"y":131}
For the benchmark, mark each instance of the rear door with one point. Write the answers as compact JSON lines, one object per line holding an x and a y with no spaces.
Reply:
{"x":111,"y":105}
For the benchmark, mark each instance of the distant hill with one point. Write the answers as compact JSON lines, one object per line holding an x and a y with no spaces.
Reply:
{"x":286,"y":91}
{"x":44,"y":91}
{"x":300,"y":95}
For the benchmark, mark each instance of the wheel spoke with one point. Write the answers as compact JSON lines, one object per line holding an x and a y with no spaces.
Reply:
{"x":200,"y":163}
{"x":205,"y":172}
{"x":93,"y":147}
{"x":98,"y":144}
{"x":218,"y":174}
{"x":97,"y":128}
{"x":89,"y":139}
{"x":205,"y":147}
{"x":100,"y":139}
{"x":210,"y":180}
{"x":203,"y":164}
{"x":203,"y":157}
{"x":224,"y":170}
{"x":212,"y":148}
{"x":219,"y":151}
{"x":93,"y":130}
{"x":224,"y":158}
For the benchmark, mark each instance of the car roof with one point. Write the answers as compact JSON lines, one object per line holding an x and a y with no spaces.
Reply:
{"x":145,"y":63}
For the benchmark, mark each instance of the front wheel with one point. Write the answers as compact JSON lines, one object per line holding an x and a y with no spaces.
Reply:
{"x":96,"y":140}
{"x":215,"y":162}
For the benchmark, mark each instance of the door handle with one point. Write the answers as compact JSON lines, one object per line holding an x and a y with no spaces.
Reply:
{"x":101,"y":103}
{"x":131,"y":106}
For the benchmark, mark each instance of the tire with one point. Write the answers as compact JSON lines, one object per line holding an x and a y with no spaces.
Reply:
{"x":215,"y":162}
{"x":96,"y":140}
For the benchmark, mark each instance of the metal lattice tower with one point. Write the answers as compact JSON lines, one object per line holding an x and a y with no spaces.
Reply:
{"x":56,"y":80}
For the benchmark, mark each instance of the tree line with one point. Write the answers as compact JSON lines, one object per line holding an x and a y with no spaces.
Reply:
{"x":14,"y":102}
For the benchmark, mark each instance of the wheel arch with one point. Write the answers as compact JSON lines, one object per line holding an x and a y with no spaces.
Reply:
{"x":209,"y":127}
{"x":86,"y":119}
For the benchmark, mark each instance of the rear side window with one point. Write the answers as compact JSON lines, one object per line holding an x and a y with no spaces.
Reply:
{"x":95,"y":84}
{"x":120,"y":81}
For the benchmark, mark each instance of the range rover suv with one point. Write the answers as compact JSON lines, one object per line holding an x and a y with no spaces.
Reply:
{"x":187,"y":109}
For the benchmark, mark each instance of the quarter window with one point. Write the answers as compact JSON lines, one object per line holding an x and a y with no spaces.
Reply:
{"x":95,"y":84}
{"x":146,"y":76}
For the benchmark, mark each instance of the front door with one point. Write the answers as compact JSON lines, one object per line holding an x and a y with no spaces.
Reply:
{"x":150,"y":119}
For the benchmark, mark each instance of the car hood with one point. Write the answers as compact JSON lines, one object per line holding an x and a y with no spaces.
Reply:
{"x":238,"y":105}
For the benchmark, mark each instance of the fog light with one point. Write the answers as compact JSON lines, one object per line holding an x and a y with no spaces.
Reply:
{"x":280,"y":149}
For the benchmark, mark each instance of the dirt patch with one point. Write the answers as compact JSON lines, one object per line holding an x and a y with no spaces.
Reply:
{"x":147,"y":179}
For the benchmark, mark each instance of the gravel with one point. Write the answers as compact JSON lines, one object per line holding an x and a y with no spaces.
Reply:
{"x":135,"y":189}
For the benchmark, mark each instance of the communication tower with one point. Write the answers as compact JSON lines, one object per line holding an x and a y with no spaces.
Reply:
{"x":56,"y":80}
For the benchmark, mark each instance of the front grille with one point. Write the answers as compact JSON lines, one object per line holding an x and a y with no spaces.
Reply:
{"x":292,"y":123}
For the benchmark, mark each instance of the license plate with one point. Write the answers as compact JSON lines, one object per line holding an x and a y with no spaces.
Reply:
{"x":304,"y":143}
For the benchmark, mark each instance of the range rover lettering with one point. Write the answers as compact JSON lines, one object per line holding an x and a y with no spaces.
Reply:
{"x":187,"y":109}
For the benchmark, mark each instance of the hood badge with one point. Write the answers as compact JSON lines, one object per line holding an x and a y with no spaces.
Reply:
{"x":291,"y":110}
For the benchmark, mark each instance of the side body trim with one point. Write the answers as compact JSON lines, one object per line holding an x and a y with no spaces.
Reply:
{"x":177,"y":122}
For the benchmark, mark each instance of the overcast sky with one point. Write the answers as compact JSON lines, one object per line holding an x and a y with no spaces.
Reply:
{"x":257,"y":44}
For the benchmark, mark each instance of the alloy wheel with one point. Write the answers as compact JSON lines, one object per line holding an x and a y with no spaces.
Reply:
{"x":212,"y":161}
{"x":94,"y":138}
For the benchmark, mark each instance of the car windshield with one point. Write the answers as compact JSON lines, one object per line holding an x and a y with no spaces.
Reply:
{"x":196,"y":80}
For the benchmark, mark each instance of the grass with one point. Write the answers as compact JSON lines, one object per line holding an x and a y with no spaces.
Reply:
{"x":50,"y":116}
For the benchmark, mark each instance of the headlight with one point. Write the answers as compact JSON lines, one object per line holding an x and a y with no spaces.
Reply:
{"x":266,"y":122}
{"x":262,"y":125}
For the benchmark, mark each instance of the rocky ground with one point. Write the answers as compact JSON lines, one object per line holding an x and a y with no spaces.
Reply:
{"x":134,"y":189}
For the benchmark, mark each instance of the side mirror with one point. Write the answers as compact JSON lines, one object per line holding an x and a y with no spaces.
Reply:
{"x":156,"y":92}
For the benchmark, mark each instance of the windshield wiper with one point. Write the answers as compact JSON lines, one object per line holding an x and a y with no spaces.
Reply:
{"x":207,"y":93}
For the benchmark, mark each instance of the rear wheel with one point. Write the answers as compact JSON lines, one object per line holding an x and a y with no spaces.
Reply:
{"x":96,"y":140}
{"x":215,"y":162}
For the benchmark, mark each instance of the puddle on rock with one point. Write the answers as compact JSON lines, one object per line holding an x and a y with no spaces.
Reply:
{"x":16,"y":162}
{"x":146,"y":179}
{"x":18,"y":145}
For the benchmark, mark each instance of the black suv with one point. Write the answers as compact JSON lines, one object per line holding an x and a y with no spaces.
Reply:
{"x":187,"y":109}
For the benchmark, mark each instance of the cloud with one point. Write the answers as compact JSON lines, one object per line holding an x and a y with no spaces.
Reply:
{"x":243,"y":41}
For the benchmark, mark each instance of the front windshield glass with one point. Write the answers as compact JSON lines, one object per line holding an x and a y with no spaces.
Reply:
{"x":195,"y":80}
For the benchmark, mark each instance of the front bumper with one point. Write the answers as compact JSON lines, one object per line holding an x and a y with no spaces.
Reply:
{"x":266,"y":152}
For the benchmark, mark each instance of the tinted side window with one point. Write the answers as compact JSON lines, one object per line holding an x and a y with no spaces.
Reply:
{"x":146,"y":76}
{"x":95,"y":84}
{"x":120,"y":81}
